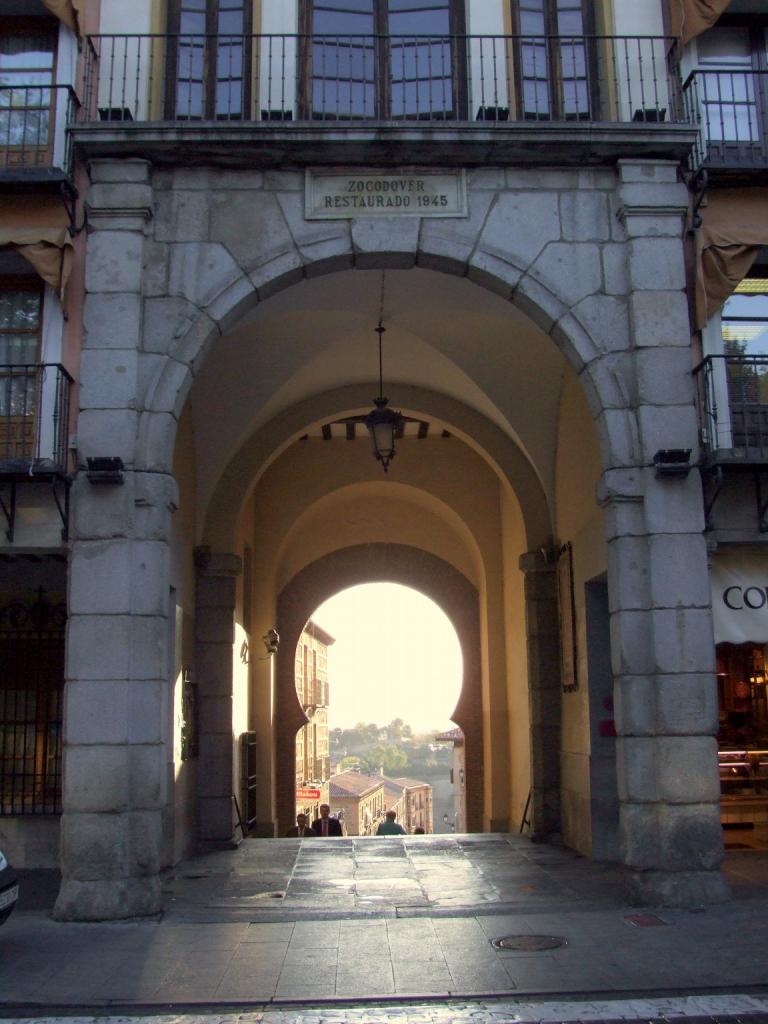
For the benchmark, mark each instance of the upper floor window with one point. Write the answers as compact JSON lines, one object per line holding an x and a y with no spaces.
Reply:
{"x":21,"y":305}
{"x":732,"y":59}
{"x":27,"y":65}
{"x":383,"y":59}
{"x":553,"y":62}
{"x":209,"y":59}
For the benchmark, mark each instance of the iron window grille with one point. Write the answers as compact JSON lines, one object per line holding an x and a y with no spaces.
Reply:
{"x":31,"y":698}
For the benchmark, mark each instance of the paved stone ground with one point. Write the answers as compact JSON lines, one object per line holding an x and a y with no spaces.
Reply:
{"x":329,"y":922}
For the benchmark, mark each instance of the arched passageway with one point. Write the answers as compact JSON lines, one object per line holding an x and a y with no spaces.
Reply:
{"x":517,"y":351}
{"x":390,"y":563}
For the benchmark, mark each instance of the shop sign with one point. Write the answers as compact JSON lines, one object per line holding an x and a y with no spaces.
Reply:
{"x":343,"y":194}
{"x":739,"y":583}
{"x":307,"y":794}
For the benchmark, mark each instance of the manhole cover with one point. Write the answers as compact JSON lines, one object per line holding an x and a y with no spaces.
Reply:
{"x":528,"y":943}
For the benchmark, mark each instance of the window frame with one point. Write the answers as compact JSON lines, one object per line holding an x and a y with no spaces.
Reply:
{"x":737,"y":150}
{"x":210,"y":62}
{"x":382,"y":60}
{"x":34,"y":27}
{"x":554,"y":62}
{"x":19,"y":431}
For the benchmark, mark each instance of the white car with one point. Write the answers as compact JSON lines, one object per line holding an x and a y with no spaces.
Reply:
{"x":9,"y":889}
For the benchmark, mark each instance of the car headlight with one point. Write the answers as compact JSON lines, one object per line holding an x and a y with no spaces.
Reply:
{"x":3,"y":862}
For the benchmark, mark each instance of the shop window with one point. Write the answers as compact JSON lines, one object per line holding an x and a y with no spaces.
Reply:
{"x":27,"y":69}
{"x":209,"y":59}
{"x":553,"y":59}
{"x":21,"y":303}
{"x":31,"y":692}
{"x":383,"y":59}
{"x":742,"y":707}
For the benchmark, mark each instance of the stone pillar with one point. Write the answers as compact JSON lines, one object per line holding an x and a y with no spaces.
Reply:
{"x":542,"y":628}
{"x":662,"y":646}
{"x":216,"y":578}
{"x":114,"y":777}
{"x":114,"y":774}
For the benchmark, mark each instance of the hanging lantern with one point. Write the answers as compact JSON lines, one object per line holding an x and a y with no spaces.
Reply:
{"x":383,"y":424}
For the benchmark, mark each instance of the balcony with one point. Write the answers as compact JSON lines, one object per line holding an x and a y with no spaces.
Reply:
{"x":34,"y":418}
{"x":582,"y":97}
{"x":34,"y":437}
{"x":730,"y":108}
{"x":34,"y":143}
{"x":732,"y":404}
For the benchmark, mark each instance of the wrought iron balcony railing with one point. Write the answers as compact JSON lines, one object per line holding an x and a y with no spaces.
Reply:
{"x":352,"y":78}
{"x":34,"y":417}
{"x":732,"y":405}
{"x":33,"y":127}
{"x":730,"y":108}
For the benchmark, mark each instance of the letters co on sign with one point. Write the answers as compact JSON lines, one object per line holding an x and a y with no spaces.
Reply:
{"x":344,"y":194}
{"x":739,"y":598}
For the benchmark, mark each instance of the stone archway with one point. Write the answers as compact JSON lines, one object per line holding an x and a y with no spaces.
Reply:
{"x":394,"y":563}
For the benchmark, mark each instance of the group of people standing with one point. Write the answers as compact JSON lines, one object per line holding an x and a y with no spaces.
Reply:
{"x":325,"y":825}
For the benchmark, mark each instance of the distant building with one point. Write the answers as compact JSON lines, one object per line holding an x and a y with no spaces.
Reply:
{"x":456,"y":737}
{"x":312,"y":745}
{"x":418,"y":805}
{"x":395,"y":799}
{"x":359,"y":799}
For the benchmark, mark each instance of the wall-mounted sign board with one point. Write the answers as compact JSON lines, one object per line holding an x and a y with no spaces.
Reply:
{"x":341,"y":194}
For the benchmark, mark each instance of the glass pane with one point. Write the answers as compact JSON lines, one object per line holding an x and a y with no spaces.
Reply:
{"x":412,"y":18}
{"x":725,"y":46}
{"x":232,"y":22}
{"x":532,"y":23}
{"x":573,"y":61}
{"x":18,"y":349}
{"x":575,"y":100}
{"x":19,"y":310}
{"x":570,"y":23}
{"x":230,"y":61}
{"x":192,"y":24}
{"x":342,"y":99}
{"x":189,"y":99}
{"x":535,"y":61}
{"x":25,"y":52}
{"x":228,"y":98}
{"x":191,"y":62}
{"x":742,"y":336}
{"x":536,"y":99}
{"x":344,"y":18}
{"x":25,"y":78}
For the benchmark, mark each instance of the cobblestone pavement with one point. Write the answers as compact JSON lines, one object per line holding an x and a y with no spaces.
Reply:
{"x":325,"y":922}
{"x":686,"y":1009}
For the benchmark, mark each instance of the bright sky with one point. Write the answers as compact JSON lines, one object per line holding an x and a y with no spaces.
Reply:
{"x":396,"y":656}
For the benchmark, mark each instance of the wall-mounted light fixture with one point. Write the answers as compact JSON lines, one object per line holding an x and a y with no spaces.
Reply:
{"x":672,"y":462}
{"x":271,"y":641}
{"x":105,"y":469}
{"x":383,"y":424}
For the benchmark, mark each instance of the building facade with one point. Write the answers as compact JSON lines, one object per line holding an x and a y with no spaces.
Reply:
{"x":313,"y":765}
{"x":418,"y":805}
{"x":358,"y":800}
{"x":489,"y":212}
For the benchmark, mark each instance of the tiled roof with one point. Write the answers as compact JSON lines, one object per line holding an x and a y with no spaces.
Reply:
{"x":353,"y":784}
{"x":451,"y":736}
{"x":410,"y":783}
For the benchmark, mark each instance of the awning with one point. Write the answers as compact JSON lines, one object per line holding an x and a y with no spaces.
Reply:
{"x":739,"y":583}
{"x":48,"y":250}
{"x":67,"y":11}
{"x":734,"y":225}
{"x":689,"y":18}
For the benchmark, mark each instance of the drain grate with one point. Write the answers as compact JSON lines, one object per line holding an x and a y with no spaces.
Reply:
{"x":528,"y":943}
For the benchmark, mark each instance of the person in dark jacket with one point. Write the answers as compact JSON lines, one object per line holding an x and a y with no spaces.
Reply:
{"x":301,"y":828}
{"x":325,"y":825}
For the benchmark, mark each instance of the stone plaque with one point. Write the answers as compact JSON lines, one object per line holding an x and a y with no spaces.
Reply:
{"x":339,"y":194}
